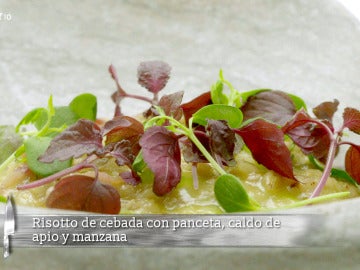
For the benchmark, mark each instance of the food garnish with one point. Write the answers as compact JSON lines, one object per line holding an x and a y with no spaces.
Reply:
{"x":66,"y":149}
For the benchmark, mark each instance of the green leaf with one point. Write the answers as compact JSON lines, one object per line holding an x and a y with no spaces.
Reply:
{"x":231,"y":194}
{"x":315,"y":163}
{"x":84,"y":106}
{"x":217,"y":95}
{"x":9,"y":142}
{"x":342,"y":175}
{"x":38,"y":117}
{"x":64,"y":115}
{"x":35,"y":117}
{"x":139,"y":164}
{"x":231,"y":114}
{"x":34,"y":148}
{"x":298,"y":102}
{"x":140,"y":167}
{"x":51,"y":108}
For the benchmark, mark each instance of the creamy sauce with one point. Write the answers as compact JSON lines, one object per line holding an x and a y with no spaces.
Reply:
{"x":266,"y":187}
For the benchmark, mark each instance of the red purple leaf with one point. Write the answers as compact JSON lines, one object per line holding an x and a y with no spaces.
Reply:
{"x":171,"y":104}
{"x":352,"y":161}
{"x":124,"y":128}
{"x":310,"y":137}
{"x":266,"y":143}
{"x":194,"y":105}
{"x":84,"y":137}
{"x":84,"y":193}
{"x":131,"y":178}
{"x":122,"y":153}
{"x":190,"y":152}
{"x":274,"y":106}
{"x":352,"y":119}
{"x":161,"y":153}
{"x":326,"y":110}
{"x":153,"y":75}
{"x":222,"y":141}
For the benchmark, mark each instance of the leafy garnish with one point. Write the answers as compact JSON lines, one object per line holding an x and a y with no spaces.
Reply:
{"x":231,"y":194}
{"x":34,"y":117}
{"x":196,"y":104}
{"x":274,"y":106}
{"x":84,"y":193}
{"x":123,"y":128}
{"x":312,"y":138}
{"x":34,"y":148}
{"x":122,"y":133}
{"x":52,"y":118}
{"x":352,"y":161}
{"x":266,"y":143}
{"x":47,"y":123}
{"x":153,"y":75}
{"x":161,"y":152}
{"x":219,"y":97}
{"x":191,"y":135}
{"x":131,"y":177}
{"x":169,"y":104}
{"x":190,"y":152}
{"x":84,"y":137}
{"x":319,"y":138}
{"x":84,"y":106}
{"x":63,"y":116}
{"x":231,"y":114}
{"x":122,"y":152}
{"x":222,"y":142}
{"x":352,"y":119}
{"x":342,"y":175}
{"x":152,"y":152}
{"x":326,"y":110}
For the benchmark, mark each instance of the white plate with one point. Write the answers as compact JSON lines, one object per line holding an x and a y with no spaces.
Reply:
{"x":310,"y":48}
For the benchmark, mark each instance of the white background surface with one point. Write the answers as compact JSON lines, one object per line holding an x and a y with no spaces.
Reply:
{"x":310,"y":48}
{"x":353,"y":6}
{"x":306,"y":47}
